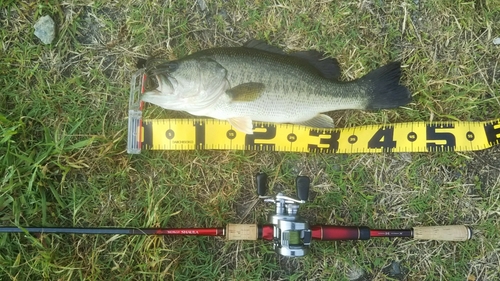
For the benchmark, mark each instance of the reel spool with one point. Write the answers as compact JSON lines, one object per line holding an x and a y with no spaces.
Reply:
{"x":292,"y":235}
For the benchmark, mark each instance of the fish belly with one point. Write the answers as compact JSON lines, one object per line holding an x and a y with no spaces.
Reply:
{"x":292,"y":108}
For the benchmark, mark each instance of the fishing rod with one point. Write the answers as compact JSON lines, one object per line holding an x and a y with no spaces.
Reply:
{"x":290,"y":234}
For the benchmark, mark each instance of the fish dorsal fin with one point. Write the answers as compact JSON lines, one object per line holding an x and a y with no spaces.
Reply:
{"x":261,"y":45}
{"x":328,"y":67}
{"x":246,"y":92}
{"x":242,"y":124}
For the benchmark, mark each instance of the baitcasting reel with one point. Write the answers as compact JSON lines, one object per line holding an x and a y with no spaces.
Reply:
{"x":292,"y":235}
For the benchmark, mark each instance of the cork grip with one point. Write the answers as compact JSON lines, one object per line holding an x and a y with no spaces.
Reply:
{"x":241,"y":232}
{"x":444,"y":233}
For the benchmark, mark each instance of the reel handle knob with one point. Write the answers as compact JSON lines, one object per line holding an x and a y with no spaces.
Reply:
{"x":302,"y":183}
{"x":261,"y":179}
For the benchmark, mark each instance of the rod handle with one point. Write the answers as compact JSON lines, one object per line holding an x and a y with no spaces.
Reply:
{"x":242,"y":232}
{"x":443,"y":233}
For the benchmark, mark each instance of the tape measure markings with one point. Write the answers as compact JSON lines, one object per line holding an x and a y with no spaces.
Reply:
{"x":190,"y":134}
{"x":411,"y":136}
{"x":492,"y":129}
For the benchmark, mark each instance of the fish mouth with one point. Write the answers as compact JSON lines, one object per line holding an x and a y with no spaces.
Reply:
{"x":159,"y":82}
{"x":151,"y":84}
{"x":160,"y":85}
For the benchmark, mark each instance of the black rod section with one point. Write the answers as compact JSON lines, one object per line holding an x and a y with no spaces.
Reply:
{"x":75,"y":230}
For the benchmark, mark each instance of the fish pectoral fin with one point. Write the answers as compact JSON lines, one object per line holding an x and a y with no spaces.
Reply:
{"x":320,"y":121}
{"x":246,"y":91}
{"x":243,"y":124}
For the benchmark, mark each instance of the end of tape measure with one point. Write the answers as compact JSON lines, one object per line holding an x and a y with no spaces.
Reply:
{"x":135,"y":113}
{"x":134,"y":132}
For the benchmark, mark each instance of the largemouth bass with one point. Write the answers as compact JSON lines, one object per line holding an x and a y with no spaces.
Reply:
{"x":258,"y":82}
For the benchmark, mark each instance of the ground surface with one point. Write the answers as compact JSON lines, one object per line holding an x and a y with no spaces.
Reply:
{"x":63,"y":120}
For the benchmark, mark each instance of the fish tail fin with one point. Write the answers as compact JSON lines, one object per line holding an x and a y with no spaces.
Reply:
{"x":383,"y":88}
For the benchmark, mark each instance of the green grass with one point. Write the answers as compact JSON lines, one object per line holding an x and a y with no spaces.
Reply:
{"x":63,"y":120}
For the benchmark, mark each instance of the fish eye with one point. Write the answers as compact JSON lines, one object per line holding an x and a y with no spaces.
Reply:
{"x":172,"y":66}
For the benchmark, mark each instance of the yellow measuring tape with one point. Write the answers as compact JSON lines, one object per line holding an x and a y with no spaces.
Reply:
{"x":191,"y":134}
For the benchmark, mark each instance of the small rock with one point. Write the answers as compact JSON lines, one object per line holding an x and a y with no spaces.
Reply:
{"x":395,"y":270}
{"x":202,"y":5}
{"x":355,"y":273}
{"x":496,"y":41}
{"x":45,"y":29}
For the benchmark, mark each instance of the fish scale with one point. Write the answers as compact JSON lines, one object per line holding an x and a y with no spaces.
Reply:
{"x":287,"y":88}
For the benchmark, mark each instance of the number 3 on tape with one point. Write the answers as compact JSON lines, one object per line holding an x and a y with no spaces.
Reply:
{"x":191,"y":134}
